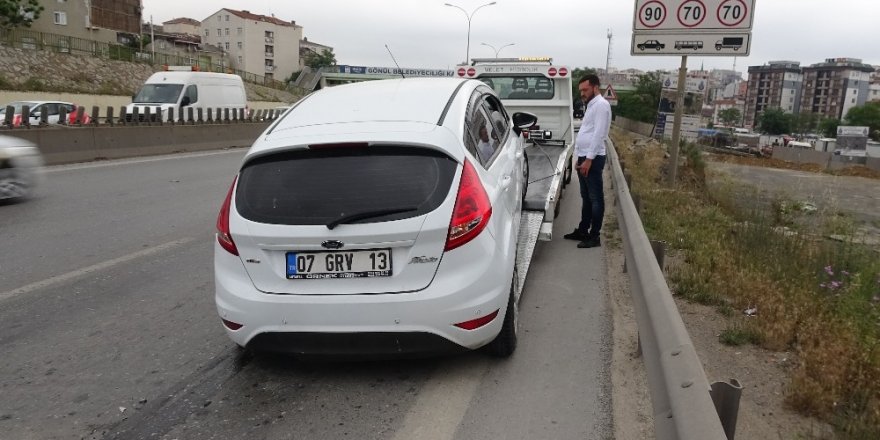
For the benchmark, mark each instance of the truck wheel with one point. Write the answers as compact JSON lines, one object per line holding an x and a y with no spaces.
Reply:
{"x":568,"y":172}
{"x":505,"y":343}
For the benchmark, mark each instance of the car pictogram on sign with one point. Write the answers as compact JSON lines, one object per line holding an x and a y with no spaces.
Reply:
{"x":651,"y":44}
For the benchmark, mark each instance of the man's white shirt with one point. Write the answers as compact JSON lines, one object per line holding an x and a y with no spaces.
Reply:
{"x":594,"y":129}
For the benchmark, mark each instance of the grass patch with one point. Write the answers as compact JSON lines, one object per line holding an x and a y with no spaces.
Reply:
{"x":738,"y":247}
{"x":739,"y":335}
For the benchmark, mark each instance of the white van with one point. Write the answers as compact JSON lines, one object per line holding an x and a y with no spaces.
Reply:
{"x":182,"y":90}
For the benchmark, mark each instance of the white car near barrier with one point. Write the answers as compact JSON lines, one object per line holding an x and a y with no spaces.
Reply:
{"x":365,"y":222}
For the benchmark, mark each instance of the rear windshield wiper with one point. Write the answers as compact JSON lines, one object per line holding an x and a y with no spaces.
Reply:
{"x":368,"y":214}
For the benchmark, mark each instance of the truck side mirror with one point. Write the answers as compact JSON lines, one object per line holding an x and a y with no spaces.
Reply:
{"x":185,"y":101}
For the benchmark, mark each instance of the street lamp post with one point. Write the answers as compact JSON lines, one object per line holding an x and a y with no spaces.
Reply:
{"x":469,"y":17}
{"x":497,"y":51}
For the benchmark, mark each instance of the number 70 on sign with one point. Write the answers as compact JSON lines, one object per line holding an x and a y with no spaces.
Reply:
{"x":694,"y":15}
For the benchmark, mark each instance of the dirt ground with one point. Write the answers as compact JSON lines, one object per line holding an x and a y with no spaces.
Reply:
{"x":763,"y":374}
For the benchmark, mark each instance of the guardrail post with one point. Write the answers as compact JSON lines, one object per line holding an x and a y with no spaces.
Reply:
{"x":123,"y":112}
{"x":182,"y":116}
{"x":218,"y":115}
{"x":96,"y":112}
{"x":136,"y":115}
{"x":726,"y":398}
{"x":148,"y":115}
{"x":250,"y":115}
{"x":171,"y":115}
{"x":199,"y":112}
{"x":659,"y":248}
{"x":226,"y":115}
{"x":62,"y":115}
{"x":210,"y":117}
{"x":8,"y":115}
{"x":80,"y":115}
{"x":110,"y":120}
{"x":44,"y":119}
{"x":26,"y":116}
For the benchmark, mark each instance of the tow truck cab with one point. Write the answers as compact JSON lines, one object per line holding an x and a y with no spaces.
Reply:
{"x":536,"y":86}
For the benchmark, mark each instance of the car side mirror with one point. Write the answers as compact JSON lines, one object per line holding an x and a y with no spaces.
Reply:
{"x":522,"y":121}
{"x":185,"y":101}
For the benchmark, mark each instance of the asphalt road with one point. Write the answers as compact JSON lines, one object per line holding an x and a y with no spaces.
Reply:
{"x":110,"y":331}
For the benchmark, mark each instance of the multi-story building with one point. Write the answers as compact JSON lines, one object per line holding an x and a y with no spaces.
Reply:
{"x":777,"y":84}
{"x":257,"y":44}
{"x":111,"y":21}
{"x":183,"y":26}
{"x":832,"y":88}
{"x":307,"y":47}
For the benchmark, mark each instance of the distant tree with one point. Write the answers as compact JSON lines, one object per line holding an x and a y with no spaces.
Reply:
{"x":15,"y":13}
{"x":774,"y":121}
{"x":730,"y":116}
{"x":867,"y":115}
{"x":641,"y":104}
{"x":828,"y":127}
{"x":803,"y":122}
{"x":317,"y":60}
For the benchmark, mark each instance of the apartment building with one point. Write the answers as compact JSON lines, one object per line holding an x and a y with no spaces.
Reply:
{"x":183,"y":26}
{"x":777,"y":84}
{"x":835,"y":86}
{"x":307,"y":47}
{"x":259,"y":44}
{"x":110,"y":21}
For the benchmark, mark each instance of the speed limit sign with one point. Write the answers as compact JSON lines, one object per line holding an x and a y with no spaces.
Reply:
{"x":694,"y":15}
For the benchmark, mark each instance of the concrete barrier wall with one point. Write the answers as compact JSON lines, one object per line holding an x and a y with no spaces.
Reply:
{"x":839,"y":162}
{"x":83,"y":144}
{"x":641,"y":128}
{"x":873,"y":163}
{"x":802,"y":155}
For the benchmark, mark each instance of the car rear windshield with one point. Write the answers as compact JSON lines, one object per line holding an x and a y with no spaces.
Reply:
{"x":320,"y":186}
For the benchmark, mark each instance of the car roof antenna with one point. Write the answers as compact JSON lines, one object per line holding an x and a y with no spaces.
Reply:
{"x":395,"y":62}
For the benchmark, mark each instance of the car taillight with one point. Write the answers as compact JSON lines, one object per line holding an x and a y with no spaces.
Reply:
{"x":224,"y":237}
{"x":472,"y":209}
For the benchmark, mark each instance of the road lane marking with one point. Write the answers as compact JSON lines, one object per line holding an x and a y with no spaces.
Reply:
{"x":94,"y":268}
{"x":116,"y":162}
{"x":443,"y":401}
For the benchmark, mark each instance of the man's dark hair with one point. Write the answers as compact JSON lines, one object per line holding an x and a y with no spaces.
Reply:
{"x":593,"y":80}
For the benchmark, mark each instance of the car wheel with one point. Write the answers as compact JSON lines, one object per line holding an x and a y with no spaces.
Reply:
{"x":505,"y":343}
{"x":525,"y":186}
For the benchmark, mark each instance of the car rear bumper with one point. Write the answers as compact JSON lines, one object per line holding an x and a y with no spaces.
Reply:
{"x":418,"y":322}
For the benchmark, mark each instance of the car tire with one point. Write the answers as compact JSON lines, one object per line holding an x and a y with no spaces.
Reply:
{"x":525,"y":186}
{"x":505,"y":343}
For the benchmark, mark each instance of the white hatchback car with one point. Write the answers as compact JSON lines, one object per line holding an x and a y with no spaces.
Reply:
{"x":377,"y":218}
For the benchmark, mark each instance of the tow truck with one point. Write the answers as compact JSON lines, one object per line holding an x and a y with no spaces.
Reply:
{"x":535,"y":85}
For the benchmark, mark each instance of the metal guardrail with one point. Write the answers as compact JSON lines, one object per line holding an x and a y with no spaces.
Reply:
{"x":685,"y":406}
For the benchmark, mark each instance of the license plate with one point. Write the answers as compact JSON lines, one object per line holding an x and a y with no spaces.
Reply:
{"x":339,"y":264}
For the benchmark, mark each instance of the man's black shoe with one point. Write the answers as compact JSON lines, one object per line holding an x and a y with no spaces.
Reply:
{"x":590,"y":243}
{"x":576,"y":235}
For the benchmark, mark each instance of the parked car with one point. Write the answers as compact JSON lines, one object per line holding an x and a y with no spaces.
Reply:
{"x":364,"y":222}
{"x":21,"y":167}
{"x":52,"y":108}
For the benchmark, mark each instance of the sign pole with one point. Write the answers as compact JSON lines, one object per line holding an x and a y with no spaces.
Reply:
{"x":676,"y":126}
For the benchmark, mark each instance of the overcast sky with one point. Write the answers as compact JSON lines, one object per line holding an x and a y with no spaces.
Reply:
{"x":425,"y":33}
